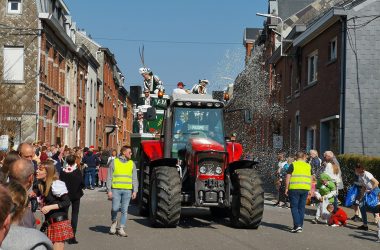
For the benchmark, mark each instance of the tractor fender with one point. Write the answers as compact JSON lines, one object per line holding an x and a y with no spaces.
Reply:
{"x":153,"y":149}
{"x":168,"y":162}
{"x":241,"y":164}
{"x":235,"y":150}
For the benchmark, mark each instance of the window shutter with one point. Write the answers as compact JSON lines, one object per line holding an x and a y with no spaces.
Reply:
{"x":13,"y":64}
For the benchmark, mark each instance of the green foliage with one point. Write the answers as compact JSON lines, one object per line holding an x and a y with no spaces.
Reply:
{"x":349,"y":161}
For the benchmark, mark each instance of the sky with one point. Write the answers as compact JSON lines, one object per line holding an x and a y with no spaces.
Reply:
{"x":184,"y":40}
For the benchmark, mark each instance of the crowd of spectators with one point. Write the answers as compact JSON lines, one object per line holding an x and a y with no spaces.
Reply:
{"x":321,"y":182}
{"x":40,"y":180}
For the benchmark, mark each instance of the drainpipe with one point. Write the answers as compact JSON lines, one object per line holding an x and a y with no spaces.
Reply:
{"x":342,"y":98}
{"x":38,"y":77}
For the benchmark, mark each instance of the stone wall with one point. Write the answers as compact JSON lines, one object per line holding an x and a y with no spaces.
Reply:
{"x":362,"y":104}
{"x":21,"y":30}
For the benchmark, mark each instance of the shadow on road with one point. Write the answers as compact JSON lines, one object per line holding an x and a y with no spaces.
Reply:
{"x":100,"y":229}
{"x":275,"y":225}
{"x":190,"y":218}
{"x":365,"y":235}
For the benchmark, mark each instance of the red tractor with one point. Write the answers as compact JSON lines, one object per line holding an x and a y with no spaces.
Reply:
{"x":193,"y":164}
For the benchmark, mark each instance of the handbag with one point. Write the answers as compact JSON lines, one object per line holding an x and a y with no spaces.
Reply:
{"x":371,"y":200}
{"x":352,"y":193}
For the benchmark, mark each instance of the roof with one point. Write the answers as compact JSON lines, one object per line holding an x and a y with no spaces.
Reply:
{"x":287,"y":8}
{"x":319,"y":25}
{"x":193,"y":97}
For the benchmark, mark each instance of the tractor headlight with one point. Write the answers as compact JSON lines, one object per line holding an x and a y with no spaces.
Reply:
{"x":202,"y":170}
{"x":218,"y":170}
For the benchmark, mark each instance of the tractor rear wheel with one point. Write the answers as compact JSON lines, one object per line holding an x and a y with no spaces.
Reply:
{"x":165,"y":197}
{"x":247,"y":199}
{"x":144,"y":187}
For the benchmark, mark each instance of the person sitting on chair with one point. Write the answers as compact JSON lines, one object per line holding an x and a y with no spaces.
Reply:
{"x":140,"y":125}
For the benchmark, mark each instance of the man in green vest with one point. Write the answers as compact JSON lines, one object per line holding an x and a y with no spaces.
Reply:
{"x":298,"y":185}
{"x":123,"y":185}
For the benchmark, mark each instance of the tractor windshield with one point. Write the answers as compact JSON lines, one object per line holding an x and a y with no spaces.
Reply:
{"x":197,"y":123}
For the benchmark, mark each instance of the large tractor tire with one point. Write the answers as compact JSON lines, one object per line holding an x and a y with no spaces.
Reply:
{"x":165,"y":197}
{"x":247,"y":199}
{"x":144,"y":187}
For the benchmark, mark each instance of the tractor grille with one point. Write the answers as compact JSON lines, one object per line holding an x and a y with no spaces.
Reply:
{"x":211,"y":163}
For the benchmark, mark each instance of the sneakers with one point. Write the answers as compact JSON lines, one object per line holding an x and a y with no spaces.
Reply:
{"x":296,"y":230}
{"x":335,"y":225}
{"x":113,"y":227}
{"x":72,"y":241}
{"x":363,"y":227}
{"x":314,"y":221}
{"x":356,"y":218}
{"x":121,"y":232}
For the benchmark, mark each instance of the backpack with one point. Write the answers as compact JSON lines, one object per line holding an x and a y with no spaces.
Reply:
{"x":104,"y":159}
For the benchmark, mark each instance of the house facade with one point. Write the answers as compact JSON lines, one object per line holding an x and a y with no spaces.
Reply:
{"x":329,"y":81}
{"x":53,"y":85}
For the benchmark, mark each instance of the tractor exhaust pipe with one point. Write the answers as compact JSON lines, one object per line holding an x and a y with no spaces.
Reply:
{"x":201,"y":197}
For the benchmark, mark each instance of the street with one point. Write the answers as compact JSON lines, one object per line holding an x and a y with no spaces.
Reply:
{"x":198,"y":230}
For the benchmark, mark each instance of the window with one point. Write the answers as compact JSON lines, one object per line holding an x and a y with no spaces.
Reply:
{"x":91,"y":93}
{"x":332,"y":49}
{"x":13,"y":64}
{"x":310,"y":138}
{"x":312,"y":61}
{"x":67,"y":87}
{"x":14,"y":7}
{"x":297,"y":130}
{"x":80,"y":85}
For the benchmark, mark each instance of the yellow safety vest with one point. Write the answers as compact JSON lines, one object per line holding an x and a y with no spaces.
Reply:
{"x":301,"y":176}
{"x":122,"y":174}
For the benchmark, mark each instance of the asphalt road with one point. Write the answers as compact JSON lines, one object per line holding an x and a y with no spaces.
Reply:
{"x":198,"y":230}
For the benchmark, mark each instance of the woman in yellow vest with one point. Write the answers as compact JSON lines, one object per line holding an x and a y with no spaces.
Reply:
{"x":122,"y":184}
{"x":298,"y":185}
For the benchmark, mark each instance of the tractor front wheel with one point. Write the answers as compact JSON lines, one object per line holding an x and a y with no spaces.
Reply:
{"x":165,"y":197}
{"x":247,"y":199}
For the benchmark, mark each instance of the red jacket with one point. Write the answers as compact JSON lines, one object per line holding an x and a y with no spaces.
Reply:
{"x":338,"y":216}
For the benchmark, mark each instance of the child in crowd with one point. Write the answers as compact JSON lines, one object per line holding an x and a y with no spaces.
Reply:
{"x":377,"y":218}
{"x":282,"y":198}
{"x":338,"y":218}
{"x":324,"y":194}
{"x":279,"y":180}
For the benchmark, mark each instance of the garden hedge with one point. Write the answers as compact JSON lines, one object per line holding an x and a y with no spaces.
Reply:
{"x":349,"y":161}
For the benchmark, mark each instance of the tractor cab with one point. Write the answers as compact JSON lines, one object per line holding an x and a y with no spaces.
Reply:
{"x":196,"y":119}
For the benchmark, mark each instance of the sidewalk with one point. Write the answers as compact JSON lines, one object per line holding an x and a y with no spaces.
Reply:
{"x":311,"y":210}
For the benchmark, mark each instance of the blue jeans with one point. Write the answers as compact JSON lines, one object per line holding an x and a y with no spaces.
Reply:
{"x":363,"y":208}
{"x":120,"y":200}
{"x":297,"y":206}
{"x":89,"y":177}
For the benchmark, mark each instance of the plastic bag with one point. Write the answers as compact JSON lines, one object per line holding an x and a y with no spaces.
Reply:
{"x":352,"y":193}
{"x":325,"y":214}
{"x":371,"y":200}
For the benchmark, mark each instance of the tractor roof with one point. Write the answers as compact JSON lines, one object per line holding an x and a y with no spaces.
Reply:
{"x":192,"y":97}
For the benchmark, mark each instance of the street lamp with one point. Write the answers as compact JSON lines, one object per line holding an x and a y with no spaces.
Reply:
{"x":282,"y":27}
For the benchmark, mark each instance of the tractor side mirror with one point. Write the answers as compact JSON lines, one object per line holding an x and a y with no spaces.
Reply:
{"x":150,"y":114}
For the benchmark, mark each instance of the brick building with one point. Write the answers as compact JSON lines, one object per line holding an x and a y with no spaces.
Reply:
{"x":57,"y":53}
{"x":329,"y":81}
{"x":113,"y":120}
{"x":79,"y":88}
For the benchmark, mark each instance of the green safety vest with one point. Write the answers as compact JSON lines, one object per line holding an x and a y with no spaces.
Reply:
{"x":122,"y":174}
{"x":301,"y":176}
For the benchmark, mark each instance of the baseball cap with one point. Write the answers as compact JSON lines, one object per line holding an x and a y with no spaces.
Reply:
{"x":180,"y":84}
